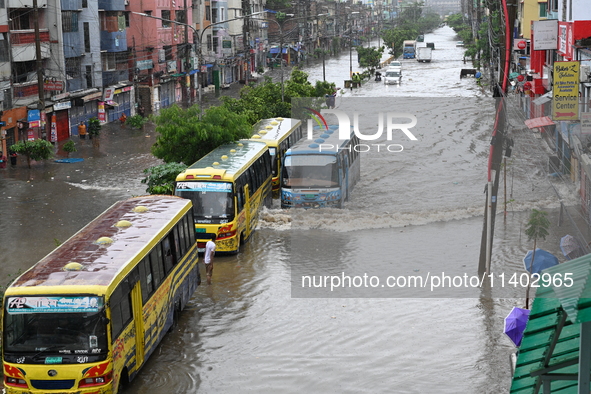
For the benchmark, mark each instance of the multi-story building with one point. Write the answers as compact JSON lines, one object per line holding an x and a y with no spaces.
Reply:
{"x":162,"y":60}
{"x":558,"y":103}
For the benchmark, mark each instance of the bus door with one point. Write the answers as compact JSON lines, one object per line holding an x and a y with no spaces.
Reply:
{"x":138,"y":318}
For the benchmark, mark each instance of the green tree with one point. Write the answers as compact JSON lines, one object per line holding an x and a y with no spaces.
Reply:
{"x":263,"y":101}
{"x":136,"y":121}
{"x":160,"y":179}
{"x":537,"y":228}
{"x":369,"y":57}
{"x":94,"y":127}
{"x":94,"y":131}
{"x":393,"y":38}
{"x":69,"y":147}
{"x":34,"y":150}
{"x":183,"y":138}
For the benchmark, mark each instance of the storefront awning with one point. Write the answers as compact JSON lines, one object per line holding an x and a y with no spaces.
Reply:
{"x":539,"y":122}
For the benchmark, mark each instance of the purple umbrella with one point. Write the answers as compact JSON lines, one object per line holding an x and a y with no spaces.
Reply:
{"x":515,"y":323}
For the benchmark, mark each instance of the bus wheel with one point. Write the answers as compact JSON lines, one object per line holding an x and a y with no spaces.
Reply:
{"x":123,"y":381}
{"x":176,"y":314}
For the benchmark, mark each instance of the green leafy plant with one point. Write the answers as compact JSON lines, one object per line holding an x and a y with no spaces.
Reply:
{"x":184,"y":138}
{"x":69,"y":147}
{"x":94,"y":127}
{"x":160,"y":179}
{"x":34,"y":150}
{"x":136,"y":121}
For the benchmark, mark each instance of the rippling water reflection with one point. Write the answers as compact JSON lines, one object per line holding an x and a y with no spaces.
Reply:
{"x":411,"y":213}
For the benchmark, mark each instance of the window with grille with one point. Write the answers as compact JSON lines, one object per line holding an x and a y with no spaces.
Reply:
{"x":73,"y":67}
{"x":4,"y":48}
{"x":69,"y":21}
{"x":165,"y":15}
{"x":181,"y":16}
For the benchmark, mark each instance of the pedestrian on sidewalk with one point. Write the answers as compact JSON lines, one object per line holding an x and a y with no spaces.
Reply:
{"x":13,"y":157}
{"x":82,"y":131}
{"x":208,"y":258}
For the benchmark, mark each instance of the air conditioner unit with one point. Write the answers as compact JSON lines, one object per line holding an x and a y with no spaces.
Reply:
{"x":584,"y":72}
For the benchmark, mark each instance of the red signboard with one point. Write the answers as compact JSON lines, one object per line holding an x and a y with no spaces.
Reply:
{"x":53,"y":85}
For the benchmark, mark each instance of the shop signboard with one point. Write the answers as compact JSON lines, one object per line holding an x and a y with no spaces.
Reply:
{"x":565,"y":100}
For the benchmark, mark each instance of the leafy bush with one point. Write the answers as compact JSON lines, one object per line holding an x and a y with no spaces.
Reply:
{"x":34,"y":150}
{"x":136,"y":121}
{"x":160,"y":179}
{"x":94,"y":127}
{"x":69,"y":147}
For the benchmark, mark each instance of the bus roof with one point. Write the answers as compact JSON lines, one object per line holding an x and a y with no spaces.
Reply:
{"x":321,"y":136}
{"x":274,"y":130}
{"x":224,"y":161}
{"x":98,"y":253}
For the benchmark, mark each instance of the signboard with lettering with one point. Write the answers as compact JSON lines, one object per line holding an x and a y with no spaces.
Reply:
{"x":565,"y":105}
{"x":62,"y":105}
{"x":545,"y":34}
{"x":53,"y":85}
{"x":565,"y":39}
{"x":144,"y":64}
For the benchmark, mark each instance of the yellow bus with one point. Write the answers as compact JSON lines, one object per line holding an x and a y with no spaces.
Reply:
{"x":87,"y":316}
{"x":279,"y":134}
{"x":228,"y":188}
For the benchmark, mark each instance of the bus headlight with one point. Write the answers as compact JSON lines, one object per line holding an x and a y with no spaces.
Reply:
{"x":322,"y":197}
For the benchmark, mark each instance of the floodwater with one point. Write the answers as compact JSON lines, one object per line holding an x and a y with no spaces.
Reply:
{"x":416,"y":212}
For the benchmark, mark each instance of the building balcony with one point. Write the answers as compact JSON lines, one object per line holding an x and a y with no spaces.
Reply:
{"x":27,"y":3}
{"x":111,"y":5}
{"x":23,"y":45}
{"x":25,"y":90}
{"x":114,"y":41}
{"x":22,"y":37}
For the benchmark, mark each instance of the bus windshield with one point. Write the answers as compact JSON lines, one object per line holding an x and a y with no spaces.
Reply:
{"x":212,"y":200}
{"x":310,"y":171}
{"x":80,"y":333}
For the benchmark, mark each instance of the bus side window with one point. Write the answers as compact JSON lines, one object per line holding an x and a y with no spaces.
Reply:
{"x":168,"y":256}
{"x":145,"y":279}
{"x":259,"y":169}
{"x":178,"y":229}
{"x":268,"y":159}
{"x":157,"y":266}
{"x":177,"y":244}
{"x":120,"y":309}
{"x":253,"y":179}
{"x":191,"y":228}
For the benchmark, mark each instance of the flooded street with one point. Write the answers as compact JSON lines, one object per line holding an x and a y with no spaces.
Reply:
{"x":416,"y":212}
